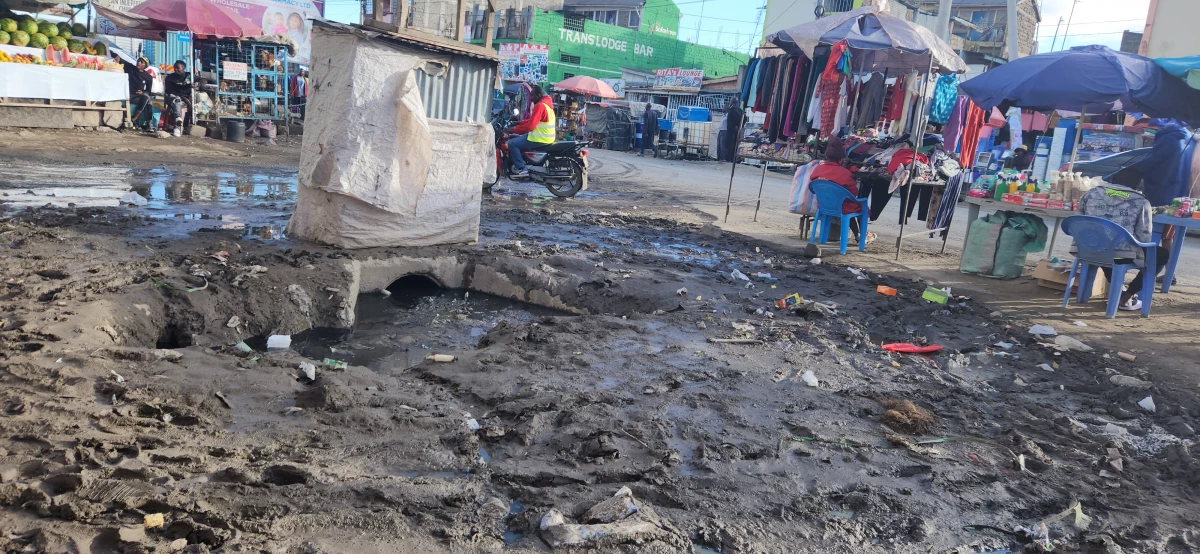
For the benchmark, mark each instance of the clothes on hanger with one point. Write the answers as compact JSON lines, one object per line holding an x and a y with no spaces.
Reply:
{"x":972,"y":126}
{"x":954,"y":126}
{"x":945,"y":209}
{"x":748,"y":84}
{"x":830,"y":99}
{"x":945,"y":95}
{"x":870,"y":101}
{"x":838,"y":64}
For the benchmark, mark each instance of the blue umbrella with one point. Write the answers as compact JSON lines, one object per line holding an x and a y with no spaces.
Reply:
{"x":1085,"y":79}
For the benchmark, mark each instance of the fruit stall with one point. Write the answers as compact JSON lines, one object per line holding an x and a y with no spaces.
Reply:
{"x":47,"y":67}
{"x":246,"y":79}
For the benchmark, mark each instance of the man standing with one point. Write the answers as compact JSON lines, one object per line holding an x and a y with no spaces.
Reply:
{"x":649,"y":129}
{"x":298,"y":90}
{"x":139,"y":90}
{"x":733,"y":129}
{"x":178,"y":84}
{"x":538,"y":130}
{"x":1130,"y":209}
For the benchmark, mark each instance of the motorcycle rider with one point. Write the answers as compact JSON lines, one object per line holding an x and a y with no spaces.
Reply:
{"x":537,"y":129}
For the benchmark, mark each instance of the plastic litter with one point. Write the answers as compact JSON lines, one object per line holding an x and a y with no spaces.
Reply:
{"x":1127,"y":381}
{"x":133,"y":199}
{"x":810,"y":378}
{"x":1127,"y":356}
{"x":1042,"y":330}
{"x":334,"y":364}
{"x":909,"y":348}
{"x":619,"y":519}
{"x":738,"y":276}
{"x":234,"y":322}
{"x":885,"y":290}
{"x":1004,"y":345}
{"x":766,"y":276}
{"x":1073,"y":515}
{"x":936,"y":295}
{"x":117,"y":375}
{"x":243,"y":347}
{"x":310,"y":371}
{"x":816,"y":261}
{"x":1113,"y":429}
{"x":441,"y":358}
{"x":153,"y":521}
{"x":1046,"y":367}
{"x":1063,"y":342}
{"x":681,"y":292}
{"x":1079,"y":324}
{"x":279,"y":341}
{"x":472,"y":424}
{"x":789,"y":301}
{"x":1147,"y":404}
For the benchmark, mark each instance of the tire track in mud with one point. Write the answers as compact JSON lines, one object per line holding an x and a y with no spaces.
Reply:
{"x":623,"y":171}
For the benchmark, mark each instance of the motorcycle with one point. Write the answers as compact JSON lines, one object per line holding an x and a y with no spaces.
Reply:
{"x":561,"y":167}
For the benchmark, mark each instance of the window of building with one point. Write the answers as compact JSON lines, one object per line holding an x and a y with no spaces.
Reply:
{"x":635,"y":20}
{"x":573,"y":23}
{"x":568,"y":75}
{"x":610,"y":17}
{"x":567,"y":58}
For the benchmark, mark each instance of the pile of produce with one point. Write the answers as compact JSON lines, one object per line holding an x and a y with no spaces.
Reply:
{"x":28,"y":31}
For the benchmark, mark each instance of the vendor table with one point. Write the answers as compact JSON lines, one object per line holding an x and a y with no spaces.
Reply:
{"x":1183,"y":224}
{"x":61,"y":83}
{"x":974,"y":204}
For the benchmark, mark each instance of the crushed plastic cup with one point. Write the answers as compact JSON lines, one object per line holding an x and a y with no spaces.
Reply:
{"x":1042,"y":330}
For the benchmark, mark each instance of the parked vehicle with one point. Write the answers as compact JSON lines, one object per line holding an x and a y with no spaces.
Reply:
{"x":1109,"y":164}
{"x":561,"y":167}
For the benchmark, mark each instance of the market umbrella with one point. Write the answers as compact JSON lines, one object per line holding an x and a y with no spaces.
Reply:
{"x":587,"y":85}
{"x":1088,"y":80}
{"x":896,"y":43}
{"x":197,"y":16}
{"x":1186,"y":68}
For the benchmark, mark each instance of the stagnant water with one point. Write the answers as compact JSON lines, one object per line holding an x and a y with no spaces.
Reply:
{"x":418,"y":319}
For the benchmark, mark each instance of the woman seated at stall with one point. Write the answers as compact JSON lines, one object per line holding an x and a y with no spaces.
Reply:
{"x":832,"y":170}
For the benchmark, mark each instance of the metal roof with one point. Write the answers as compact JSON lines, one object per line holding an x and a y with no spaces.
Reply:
{"x":603,"y":3}
{"x":413,"y":38}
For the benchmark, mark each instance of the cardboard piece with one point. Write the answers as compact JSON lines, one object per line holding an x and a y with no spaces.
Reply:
{"x":1057,"y":280}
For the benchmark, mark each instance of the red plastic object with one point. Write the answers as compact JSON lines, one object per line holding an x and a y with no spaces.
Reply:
{"x":910,"y":348}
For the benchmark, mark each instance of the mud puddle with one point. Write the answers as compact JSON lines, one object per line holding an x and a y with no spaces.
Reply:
{"x":419,"y":318}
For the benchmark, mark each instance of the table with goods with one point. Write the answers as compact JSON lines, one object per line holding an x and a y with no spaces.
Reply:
{"x":40,"y":60}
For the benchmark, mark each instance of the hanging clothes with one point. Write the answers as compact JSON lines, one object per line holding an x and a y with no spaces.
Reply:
{"x":830,"y":98}
{"x":949,"y":198}
{"x":870,"y":101}
{"x":970,"y":134}
{"x":895,"y":107}
{"x":843,"y":108}
{"x":798,"y":84}
{"x":749,"y":81}
{"x":945,"y":96}
{"x":764,"y":85}
{"x":954,"y":125}
{"x":839,"y":54}
{"x":779,"y":99}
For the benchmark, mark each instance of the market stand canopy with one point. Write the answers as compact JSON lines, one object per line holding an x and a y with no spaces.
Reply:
{"x":583,"y":84}
{"x":896,"y":43}
{"x":200,"y":17}
{"x":1186,"y":68}
{"x":1088,"y":80}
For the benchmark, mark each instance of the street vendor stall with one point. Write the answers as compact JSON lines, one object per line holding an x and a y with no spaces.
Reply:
{"x":571,"y":107}
{"x":52,"y":75}
{"x":862,"y":73}
{"x":244,"y":80}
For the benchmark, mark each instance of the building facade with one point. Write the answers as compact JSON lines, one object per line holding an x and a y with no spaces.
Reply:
{"x":982,"y":26}
{"x":1170,"y":29}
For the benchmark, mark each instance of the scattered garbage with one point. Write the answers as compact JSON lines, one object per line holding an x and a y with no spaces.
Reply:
{"x":472,"y":423}
{"x":1127,"y":381}
{"x":243,"y":347}
{"x":743,"y":327}
{"x":809,"y":378}
{"x":816,"y":261}
{"x":120,"y":379}
{"x":765,"y":276}
{"x":910,"y":348}
{"x":1042,"y":330}
{"x":1113,"y":429}
{"x":789,"y":301}
{"x":939,"y":296}
{"x":1064,"y":343}
{"x":1004,"y":345}
{"x":153,"y":521}
{"x":1127,"y":356}
{"x":617,"y":520}
{"x":441,"y":358}
{"x":738,"y":276}
{"x":334,"y":364}
{"x":133,"y":199}
{"x":1073,"y":515}
{"x":1046,"y":367}
{"x":681,"y":292}
{"x":310,"y":371}
{"x":234,"y":322}
{"x":885,"y":290}
{"x":1147,"y":404}
{"x":1079,"y":324}
{"x":279,"y":342}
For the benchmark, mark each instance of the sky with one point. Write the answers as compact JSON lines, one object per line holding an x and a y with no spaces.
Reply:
{"x":737,"y":24}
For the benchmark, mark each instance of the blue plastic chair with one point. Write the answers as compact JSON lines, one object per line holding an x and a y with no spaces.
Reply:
{"x":1097,"y":241}
{"x":830,"y":196}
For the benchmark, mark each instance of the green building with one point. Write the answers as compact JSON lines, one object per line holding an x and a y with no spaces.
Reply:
{"x":599,"y":38}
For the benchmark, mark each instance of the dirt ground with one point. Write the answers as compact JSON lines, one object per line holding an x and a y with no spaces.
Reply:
{"x":733,"y":425}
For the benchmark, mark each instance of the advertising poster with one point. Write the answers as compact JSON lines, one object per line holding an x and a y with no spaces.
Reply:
{"x":524,"y":62}
{"x":618,"y":86}
{"x":678,"y":79}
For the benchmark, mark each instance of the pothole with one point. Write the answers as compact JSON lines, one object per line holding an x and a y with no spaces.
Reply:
{"x":173,"y":336}
{"x":418,"y":318}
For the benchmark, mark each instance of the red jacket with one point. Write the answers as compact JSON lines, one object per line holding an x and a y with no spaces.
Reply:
{"x":829,"y":171}
{"x":538,"y":116}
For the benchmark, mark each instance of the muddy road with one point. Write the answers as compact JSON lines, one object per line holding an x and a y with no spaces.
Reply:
{"x":616,"y":361}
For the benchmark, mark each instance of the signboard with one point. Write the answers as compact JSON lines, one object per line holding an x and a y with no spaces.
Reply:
{"x":618,"y":86}
{"x":234,"y":71}
{"x":524,"y":62}
{"x":678,"y":79}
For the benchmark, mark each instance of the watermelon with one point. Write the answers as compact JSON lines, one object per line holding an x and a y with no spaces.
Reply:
{"x":49,"y":29}
{"x":8,"y":25}
{"x":29,"y":26}
{"x":58,"y":43}
{"x":4,"y":37}
{"x":20,"y":38}
{"x":79,"y":30}
{"x":100,"y":48}
{"x":65,"y":34}
{"x":38,"y":40}
{"x":75,"y":46}
{"x":64,"y":26}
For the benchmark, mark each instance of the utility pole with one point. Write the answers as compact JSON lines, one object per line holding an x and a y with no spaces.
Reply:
{"x":943,"y":20}
{"x":700,"y":21}
{"x":1056,"y":28}
{"x":1067,"y":33}
{"x":1014,"y":51}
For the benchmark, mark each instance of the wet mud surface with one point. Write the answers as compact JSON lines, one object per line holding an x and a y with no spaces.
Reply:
{"x":600,"y":347}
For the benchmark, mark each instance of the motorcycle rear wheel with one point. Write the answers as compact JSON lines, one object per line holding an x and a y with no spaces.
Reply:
{"x":572,"y":187}
{"x":501,"y":171}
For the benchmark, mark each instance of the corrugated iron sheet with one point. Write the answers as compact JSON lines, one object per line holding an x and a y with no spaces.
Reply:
{"x":462,"y":93}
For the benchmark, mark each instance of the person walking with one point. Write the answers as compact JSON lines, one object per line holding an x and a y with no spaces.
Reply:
{"x":538,"y":130}
{"x":649,"y":129}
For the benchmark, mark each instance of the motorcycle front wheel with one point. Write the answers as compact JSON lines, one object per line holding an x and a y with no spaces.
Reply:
{"x":571,"y":187}
{"x":500,"y":172}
